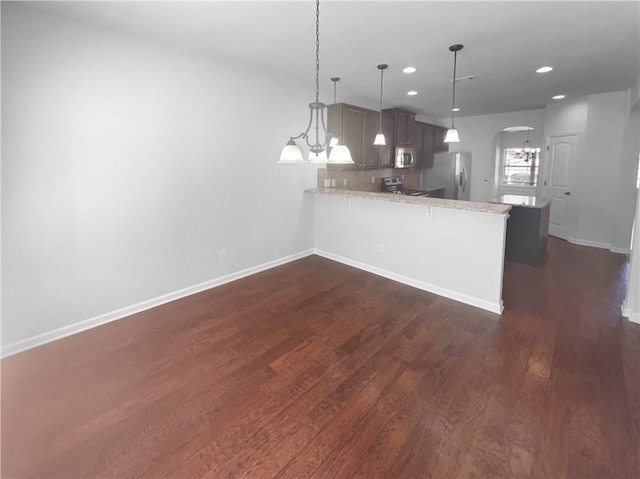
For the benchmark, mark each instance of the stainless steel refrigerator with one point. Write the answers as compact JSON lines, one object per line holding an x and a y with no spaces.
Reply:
{"x":451,"y":171}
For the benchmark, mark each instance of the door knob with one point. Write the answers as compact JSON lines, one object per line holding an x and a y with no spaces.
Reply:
{"x":567,"y":193}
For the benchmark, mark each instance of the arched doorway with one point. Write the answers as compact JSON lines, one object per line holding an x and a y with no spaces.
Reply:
{"x":517,"y":160}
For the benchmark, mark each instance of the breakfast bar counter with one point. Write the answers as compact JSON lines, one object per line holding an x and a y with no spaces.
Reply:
{"x":493,"y":208}
{"x":451,"y":248}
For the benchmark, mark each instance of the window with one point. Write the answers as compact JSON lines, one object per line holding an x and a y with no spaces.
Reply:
{"x":520,"y":167}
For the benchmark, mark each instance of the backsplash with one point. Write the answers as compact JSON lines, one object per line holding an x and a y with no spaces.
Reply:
{"x":365,"y":180}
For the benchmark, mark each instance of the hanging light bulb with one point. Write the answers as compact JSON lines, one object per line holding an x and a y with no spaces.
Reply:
{"x":317,"y":150}
{"x":452,"y":134}
{"x":340,"y":154}
{"x":379,"y":140}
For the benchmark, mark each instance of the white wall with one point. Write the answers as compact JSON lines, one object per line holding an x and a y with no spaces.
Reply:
{"x":631,"y":305}
{"x":627,"y":190}
{"x":598,"y":170}
{"x":601,"y":121}
{"x":478,"y":135}
{"x":127,"y":167}
{"x":454,"y":253}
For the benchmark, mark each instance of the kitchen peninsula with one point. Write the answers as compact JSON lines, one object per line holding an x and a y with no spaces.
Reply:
{"x":452,"y":248}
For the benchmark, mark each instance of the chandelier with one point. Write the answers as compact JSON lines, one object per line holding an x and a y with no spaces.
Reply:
{"x":529,"y":153}
{"x":317,"y":141}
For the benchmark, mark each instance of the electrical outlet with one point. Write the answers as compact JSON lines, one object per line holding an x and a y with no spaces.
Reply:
{"x":373,"y":180}
{"x":327,"y":183}
{"x":224,"y":254}
{"x":381,"y":248}
{"x":429,"y":212}
{"x":333,"y":182}
{"x":344,"y":182}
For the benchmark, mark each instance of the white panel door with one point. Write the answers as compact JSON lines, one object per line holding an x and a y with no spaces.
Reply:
{"x":561,"y":160}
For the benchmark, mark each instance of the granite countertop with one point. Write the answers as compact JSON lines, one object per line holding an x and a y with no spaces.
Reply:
{"x":521,"y":200}
{"x":494,"y":208}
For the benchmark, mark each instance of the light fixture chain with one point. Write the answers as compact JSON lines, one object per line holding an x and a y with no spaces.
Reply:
{"x":317,"y":151}
{"x":317,"y":51}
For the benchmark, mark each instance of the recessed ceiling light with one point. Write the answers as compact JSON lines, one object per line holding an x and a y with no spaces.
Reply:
{"x":558,"y":97}
{"x":513,"y":129}
{"x":455,"y":109}
{"x":409,"y":70}
{"x":412,"y":93}
{"x":544,"y":69}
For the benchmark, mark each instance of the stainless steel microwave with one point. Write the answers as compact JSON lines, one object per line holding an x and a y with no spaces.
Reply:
{"x":405,"y":157}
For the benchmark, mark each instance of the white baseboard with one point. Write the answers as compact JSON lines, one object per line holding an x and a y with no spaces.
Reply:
{"x":593,"y":244}
{"x":615,"y":249}
{"x":49,"y":336}
{"x":456,"y":296}
{"x":596,"y":244}
{"x":633,"y":316}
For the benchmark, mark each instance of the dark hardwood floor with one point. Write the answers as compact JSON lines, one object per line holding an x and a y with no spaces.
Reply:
{"x":315,"y":369}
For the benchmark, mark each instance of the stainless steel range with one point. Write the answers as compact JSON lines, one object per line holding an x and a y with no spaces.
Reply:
{"x":395,"y":185}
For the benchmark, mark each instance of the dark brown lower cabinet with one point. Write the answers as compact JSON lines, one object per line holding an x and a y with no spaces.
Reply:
{"x":527,"y":231}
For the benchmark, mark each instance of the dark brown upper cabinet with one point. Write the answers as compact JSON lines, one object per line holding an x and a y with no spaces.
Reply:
{"x":428,"y":133}
{"x":438,"y":139}
{"x":404,"y":126}
{"x":357,"y":127}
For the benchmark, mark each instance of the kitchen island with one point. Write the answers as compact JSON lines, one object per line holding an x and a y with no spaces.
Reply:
{"x":452,"y":248}
{"x":527,"y":229}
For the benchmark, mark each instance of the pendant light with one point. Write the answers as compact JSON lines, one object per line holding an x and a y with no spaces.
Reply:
{"x":379,"y":139}
{"x":340,"y":154}
{"x":452,"y":134}
{"x":291,"y":153}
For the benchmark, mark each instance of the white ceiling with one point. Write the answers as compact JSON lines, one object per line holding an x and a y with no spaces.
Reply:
{"x":594,"y":47}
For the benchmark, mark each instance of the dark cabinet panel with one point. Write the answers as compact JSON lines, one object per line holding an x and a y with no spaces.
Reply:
{"x":386,"y":152}
{"x":428,"y":131}
{"x":370,"y":129}
{"x":527,"y":231}
{"x":357,"y":128}
{"x":402,"y":130}
{"x":404,"y":126}
{"x":352,"y":133}
{"x":377,"y":156}
{"x":416,"y":140}
{"x":438,"y":139}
